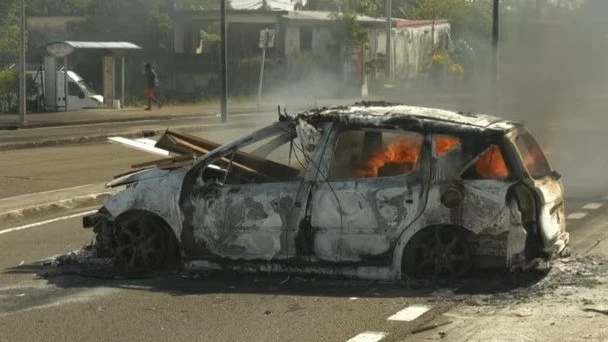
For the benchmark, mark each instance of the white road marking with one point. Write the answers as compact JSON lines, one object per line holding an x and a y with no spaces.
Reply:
{"x":409,"y":314}
{"x":593,"y":206}
{"x":37,"y":224}
{"x":368,"y":336}
{"x":576,"y":216}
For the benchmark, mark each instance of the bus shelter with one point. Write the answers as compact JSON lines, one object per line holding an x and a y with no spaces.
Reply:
{"x":113,"y":51}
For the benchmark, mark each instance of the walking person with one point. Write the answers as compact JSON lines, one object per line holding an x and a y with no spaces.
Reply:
{"x":152,"y":84}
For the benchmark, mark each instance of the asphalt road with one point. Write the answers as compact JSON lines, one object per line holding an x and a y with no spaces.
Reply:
{"x":36,"y":305}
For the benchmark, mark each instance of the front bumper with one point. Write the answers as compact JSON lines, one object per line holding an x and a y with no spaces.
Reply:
{"x":104,"y":227}
{"x":90,"y":221}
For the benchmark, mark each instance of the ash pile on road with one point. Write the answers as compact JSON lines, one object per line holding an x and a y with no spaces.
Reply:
{"x":83,"y":262}
{"x":579,"y":272}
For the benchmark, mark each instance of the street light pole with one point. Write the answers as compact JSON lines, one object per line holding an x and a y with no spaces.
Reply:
{"x":224,"y":76}
{"x":22,"y":90}
{"x":389,"y":55}
{"x":495,"y":41}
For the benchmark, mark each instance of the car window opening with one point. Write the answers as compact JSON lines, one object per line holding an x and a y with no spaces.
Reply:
{"x":490,"y":165}
{"x":372,"y":154}
{"x":279,"y":158}
{"x":533,"y":157}
{"x":445,"y":144}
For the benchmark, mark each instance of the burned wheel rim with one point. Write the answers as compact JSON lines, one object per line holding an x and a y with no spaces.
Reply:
{"x":442,"y":253}
{"x":140,"y":244}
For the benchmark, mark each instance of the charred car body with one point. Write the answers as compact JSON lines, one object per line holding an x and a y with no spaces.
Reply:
{"x":372,"y":191}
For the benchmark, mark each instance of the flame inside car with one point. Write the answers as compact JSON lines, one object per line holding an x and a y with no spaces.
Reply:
{"x":404,"y":152}
{"x":445,"y":144}
{"x":491,"y":164}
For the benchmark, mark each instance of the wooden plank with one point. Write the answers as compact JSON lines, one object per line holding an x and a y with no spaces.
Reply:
{"x":224,"y":159}
{"x":139,"y":145}
{"x":178,"y":159}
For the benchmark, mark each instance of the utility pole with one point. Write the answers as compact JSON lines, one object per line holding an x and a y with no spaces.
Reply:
{"x":389,"y":55}
{"x":224,"y":73}
{"x":263,"y":43}
{"x":22,"y":90}
{"x":495,"y":40}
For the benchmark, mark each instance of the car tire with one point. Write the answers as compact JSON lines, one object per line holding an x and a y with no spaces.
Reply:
{"x":144,"y":243}
{"x":438,"y":253}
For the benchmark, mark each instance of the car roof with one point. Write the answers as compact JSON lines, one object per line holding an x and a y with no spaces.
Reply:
{"x":377,"y":112}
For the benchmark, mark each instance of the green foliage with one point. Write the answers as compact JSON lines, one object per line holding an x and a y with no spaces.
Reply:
{"x":9,"y":91}
{"x":265,"y":6}
{"x":347,"y":29}
{"x":210,"y":37}
{"x":8,"y":80}
{"x":9,"y":32}
{"x":203,"y":4}
{"x":57,"y":7}
{"x":465,"y":16}
{"x":366,"y":7}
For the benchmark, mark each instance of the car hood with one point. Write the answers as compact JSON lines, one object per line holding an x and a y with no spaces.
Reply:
{"x":139,"y":176}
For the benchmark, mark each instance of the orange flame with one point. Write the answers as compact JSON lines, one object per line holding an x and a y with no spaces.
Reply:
{"x":491,"y":164}
{"x":445,"y":144}
{"x":404,"y":151}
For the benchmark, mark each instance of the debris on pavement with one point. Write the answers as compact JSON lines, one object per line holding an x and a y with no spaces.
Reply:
{"x":600,"y":311}
{"x":430,"y":327}
{"x":522,"y":312}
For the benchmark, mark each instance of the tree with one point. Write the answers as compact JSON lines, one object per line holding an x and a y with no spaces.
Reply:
{"x":147,"y":23}
{"x":9,"y":28}
{"x":367,"y":7}
{"x":466,"y":16}
{"x":203,"y":4}
{"x":347,"y":30}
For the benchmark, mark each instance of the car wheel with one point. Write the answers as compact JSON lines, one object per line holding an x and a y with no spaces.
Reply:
{"x":438,"y":253}
{"x":143,"y":243}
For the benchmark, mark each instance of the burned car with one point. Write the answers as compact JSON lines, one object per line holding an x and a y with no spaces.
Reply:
{"x":373,"y":190}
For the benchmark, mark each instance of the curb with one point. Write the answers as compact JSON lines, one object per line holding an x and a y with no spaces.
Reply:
{"x":14,"y":126}
{"x":40,"y":210}
{"x":128,"y":134}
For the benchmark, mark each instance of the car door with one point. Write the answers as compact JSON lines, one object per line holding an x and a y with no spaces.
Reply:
{"x":470,"y":181}
{"x":374,"y":187}
{"x":246,"y":206}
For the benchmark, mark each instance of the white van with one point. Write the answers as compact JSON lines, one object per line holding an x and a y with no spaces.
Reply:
{"x":80,"y":95}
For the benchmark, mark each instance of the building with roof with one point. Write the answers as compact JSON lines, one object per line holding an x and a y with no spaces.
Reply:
{"x":296,"y":31}
{"x":304,"y":43}
{"x":413,"y":44}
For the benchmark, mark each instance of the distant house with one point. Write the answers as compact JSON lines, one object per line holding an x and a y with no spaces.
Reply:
{"x":413,"y":44}
{"x":304,"y":43}
{"x":273,"y":5}
{"x":297,"y":32}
